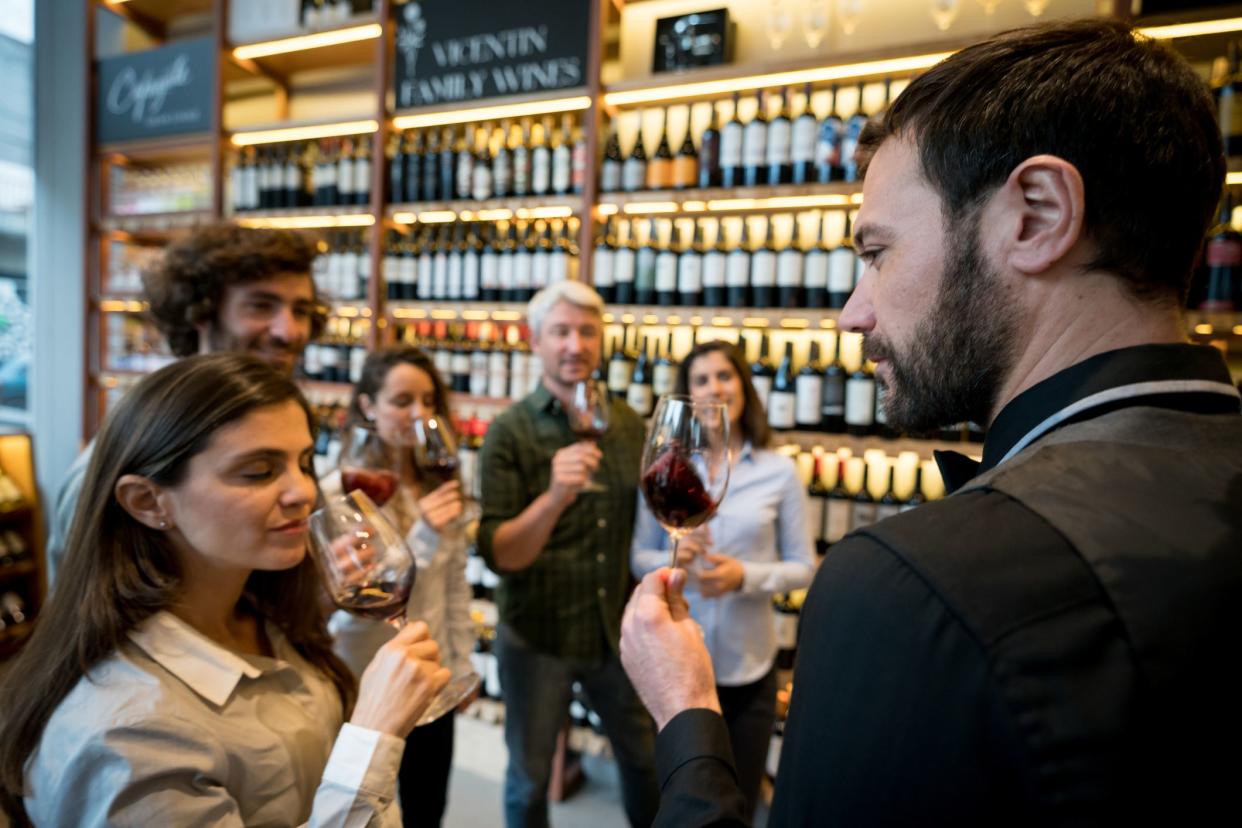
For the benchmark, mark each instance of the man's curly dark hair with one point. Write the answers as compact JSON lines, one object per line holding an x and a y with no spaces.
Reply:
{"x":187,"y":285}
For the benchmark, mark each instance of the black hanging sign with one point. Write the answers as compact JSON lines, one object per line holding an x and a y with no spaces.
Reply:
{"x":465,"y":50}
{"x":155,"y":93}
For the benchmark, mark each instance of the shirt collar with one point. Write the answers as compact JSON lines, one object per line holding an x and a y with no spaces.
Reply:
{"x":541,"y":399}
{"x":1185,"y":377}
{"x":747,"y":452}
{"x":201,"y":664}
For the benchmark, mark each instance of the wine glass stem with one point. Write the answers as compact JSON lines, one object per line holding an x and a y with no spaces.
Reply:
{"x":397,"y":622}
{"x":672,"y":558}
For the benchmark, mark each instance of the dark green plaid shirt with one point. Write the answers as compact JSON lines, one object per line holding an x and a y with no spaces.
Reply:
{"x":568,"y":603}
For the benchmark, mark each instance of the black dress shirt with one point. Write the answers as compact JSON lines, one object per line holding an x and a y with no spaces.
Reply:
{"x":898,"y":715}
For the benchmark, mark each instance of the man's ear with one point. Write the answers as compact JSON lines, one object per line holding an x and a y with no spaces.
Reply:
{"x":1038,"y":213}
{"x":143,"y":500}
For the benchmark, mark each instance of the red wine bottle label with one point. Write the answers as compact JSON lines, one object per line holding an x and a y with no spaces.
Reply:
{"x":786,"y":629}
{"x":815,"y":270}
{"x":860,"y":401}
{"x":634,"y":174}
{"x":809,"y":391}
{"x":837,"y":518}
{"x":623,"y":266}
{"x":864,"y":515}
{"x":805,"y":133}
{"x":602,"y":266}
{"x":455,"y":273}
{"x":666,"y":272}
{"x":540,"y":171}
{"x":789,"y":268}
{"x":763,"y":268}
{"x":639,"y":396}
{"x":737,"y":272}
{"x":690,"y":272}
{"x":841,"y":270}
{"x":778,"y":148}
{"x":505,"y":273}
{"x":610,"y":176}
{"x":755,"y":144}
{"x":763,"y":387}
{"x":816,"y":508}
{"x":664,"y":380}
{"x":426,"y":276}
{"x":731,"y":145}
{"x":781,"y":409}
{"x":523,"y":271}
{"x":1226,"y":252}
{"x":713,"y":269}
{"x":619,"y":373}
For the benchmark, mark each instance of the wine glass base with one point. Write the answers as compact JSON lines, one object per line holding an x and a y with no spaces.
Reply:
{"x":448,"y":699}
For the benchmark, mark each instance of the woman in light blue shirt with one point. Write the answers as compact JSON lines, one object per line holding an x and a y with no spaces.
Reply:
{"x":757,"y":544}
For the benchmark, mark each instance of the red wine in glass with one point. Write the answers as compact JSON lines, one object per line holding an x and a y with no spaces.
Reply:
{"x":439,"y":469}
{"x":382,"y":601}
{"x":587,"y":431}
{"x":378,"y":484}
{"x":676,"y":493}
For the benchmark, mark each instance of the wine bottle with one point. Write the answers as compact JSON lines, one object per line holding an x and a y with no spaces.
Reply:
{"x":578,"y":162}
{"x":860,"y":402}
{"x":864,"y":504}
{"x":448,"y":166}
{"x":480,"y":360}
{"x":498,"y":367}
{"x":645,"y":275}
{"x":803,"y":141}
{"x":264,"y":177}
{"x":818,"y":494}
{"x":426,"y":267}
{"x":709,"y":152}
{"x":639,"y":393}
{"x":906,"y":487}
{"x":664,"y":376}
{"x":839,"y":511}
{"x":620,"y":369}
{"x":660,"y":167}
{"x":391,"y":267}
{"x":1223,"y":257}
{"x":786,"y":625}
{"x":540,"y":160}
{"x":779,"y":149}
{"x":888,"y":505}
{"x":345,"y":180}
{"x":524,"y":266}
{"x":853,"y":131}
{"x":762,"y":372}
{"x":763,"y":271}
{"x":731,"y":138}
{"x":610,"y":167}
{"x":471,"y":267}
{"x":690,"y":271}
{"x":832,"y":410}
{"x":502,"y":163}
{"x":754,"y":146}
{"x":481,"y":171}
{"x":489,"y":269}
{"x":737,"y":270}
{"x":362,"y":172}
{"x":841,"y":270}
{"x":521,"y":161}
{"x":563,"y":159}
{"x":603,"y":264}
{"x":789,"y":274}
{"x":667,"y":269}
{"x":431,"y":168}
{"x":714,"y":293}
{"x":463,"y":175}
{"x":440,"y":273}
{"x":634,"y":172}
{"x":625,"y":266}
{"x":809,"y":392}
{"x":331,"y":176}
{"x":828,"y":165}
{"x":294,"y":186}
{"x":782,"y":399}
{"x":412,"y":190}
{"x":396,"y":168}
{"x":540,"y":262}
{"x":507,"y":263}
{"x":686,"y":164}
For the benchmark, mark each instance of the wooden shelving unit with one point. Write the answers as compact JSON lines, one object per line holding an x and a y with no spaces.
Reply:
{"x":25,"y":576}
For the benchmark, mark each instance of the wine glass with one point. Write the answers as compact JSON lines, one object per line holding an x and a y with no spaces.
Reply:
{"x":369,"y":572}
{"x":435,"y":454}
{"x":780,"y":21}
{"x":944,"y":12}
{"x":368,"y":464}
{"x":685,"y":464}
{"x":815,"y":22}
{"x":848,"y":13}
{"x":588,"y":418}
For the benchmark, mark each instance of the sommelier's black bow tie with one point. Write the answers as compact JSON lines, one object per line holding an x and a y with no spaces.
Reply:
{"x":956,"y":469}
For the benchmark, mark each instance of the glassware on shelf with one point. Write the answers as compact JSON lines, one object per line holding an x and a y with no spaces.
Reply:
{"x":848,"y":13}
{"x":944,"y":12}
{"x":989,"y":6}
{"x":779,"y":23}
{"x":815,"y":22}
{"x":1035,"y":8}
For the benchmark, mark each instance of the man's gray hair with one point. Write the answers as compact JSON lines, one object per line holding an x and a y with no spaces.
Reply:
{"x":575,"y":293}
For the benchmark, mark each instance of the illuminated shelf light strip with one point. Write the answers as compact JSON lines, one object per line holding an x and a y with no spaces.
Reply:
{"x":304,"y":133}
{"x":492,"y":113}
{"x":301,"y":43}
{"x":308,"y":222}
{"x":818,"y":74}
{"x":1233,"y":178}
{"x":1202,"y":27}
{"x":801,"y":202}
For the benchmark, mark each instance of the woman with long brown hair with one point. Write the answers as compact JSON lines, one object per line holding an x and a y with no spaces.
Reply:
{"x":398,"y":386}
{"x":758,"y":543}
{"x":180,"y":673}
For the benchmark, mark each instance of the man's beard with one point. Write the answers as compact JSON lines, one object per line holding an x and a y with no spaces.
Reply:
{"x":962,"y":350}
{"x":221,"y":341}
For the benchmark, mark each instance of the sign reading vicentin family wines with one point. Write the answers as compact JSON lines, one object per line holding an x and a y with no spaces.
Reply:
{"x":155,"y":93}
{"x":464,"y":50}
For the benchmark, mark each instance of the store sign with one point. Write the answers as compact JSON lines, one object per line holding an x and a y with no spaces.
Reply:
{"x":159,"y":92}
{"x":470,"y":49}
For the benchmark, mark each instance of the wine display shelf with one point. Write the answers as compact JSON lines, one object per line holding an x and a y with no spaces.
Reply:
{"x":761,"y":318}
{"x":774,"y":198}
{"x":21,"y":520}
{"x":154,"y":224}
{"x":492,"y":209}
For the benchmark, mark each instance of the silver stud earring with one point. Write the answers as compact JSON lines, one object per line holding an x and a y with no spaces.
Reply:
{"x":163,"y":524}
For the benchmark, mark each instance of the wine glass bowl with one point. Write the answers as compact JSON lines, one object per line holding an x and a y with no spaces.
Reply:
{"x":588,"y":418}
{"x":435,"y":447}
{"x":685,"y":464}
{"x":369,"y":465}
